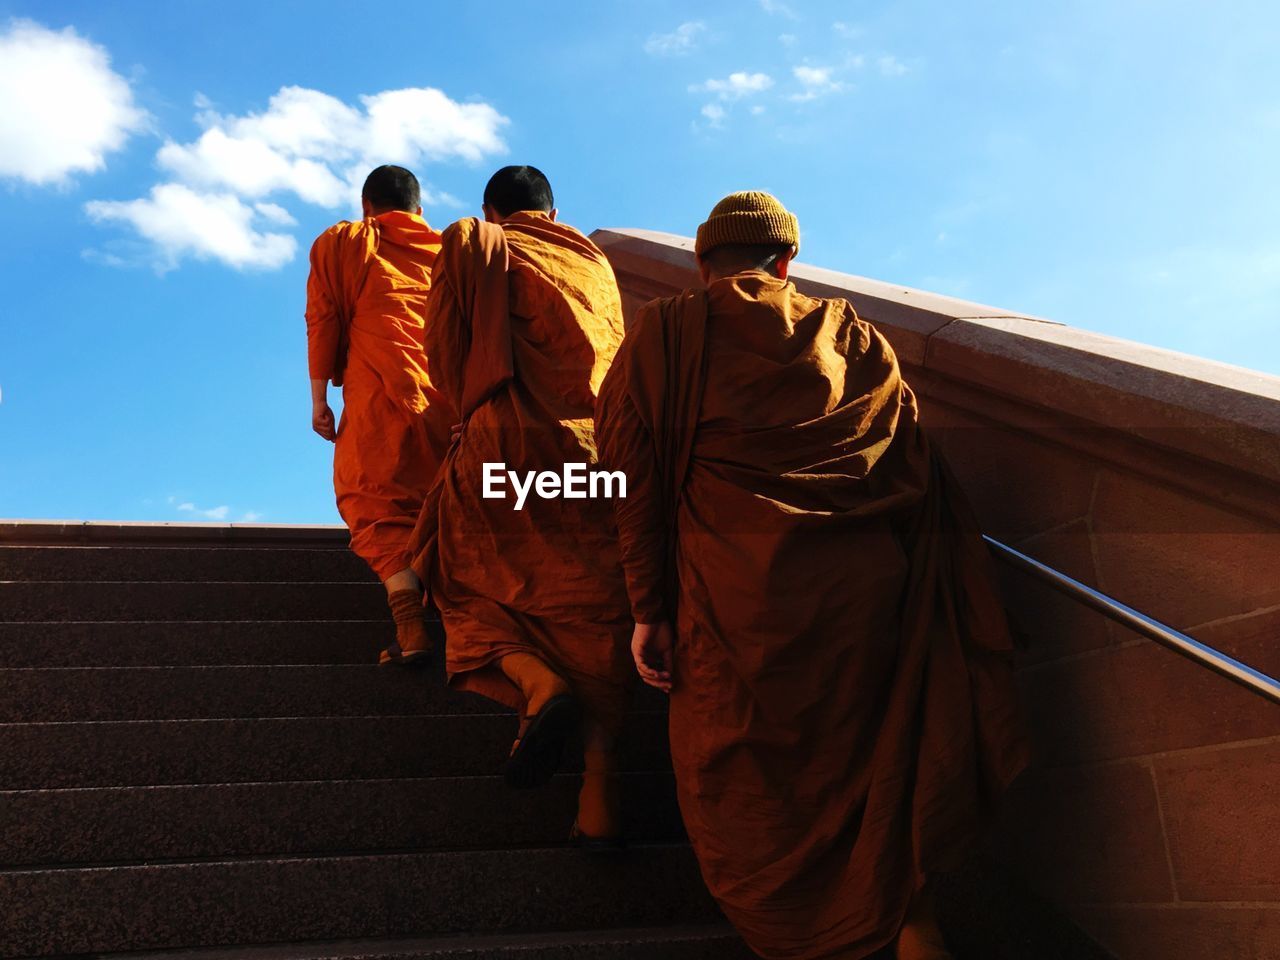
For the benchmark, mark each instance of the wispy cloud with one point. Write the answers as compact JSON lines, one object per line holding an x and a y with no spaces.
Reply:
{"x":306,"y":144}
{"x":891,"y":66}
{"x":65,"y":109}
{"x":715,"y":115}
{"x":220,"y":512}
{"x":736,"y":85}
{"x":816,"y":82}
{"x":848,"y":30}
{"x":778,"y":8}
{"x":683,"y":40}
{"x":788,"y":39}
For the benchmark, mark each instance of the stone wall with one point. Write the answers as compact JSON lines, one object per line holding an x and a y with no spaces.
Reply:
{"x":1153,"y":816}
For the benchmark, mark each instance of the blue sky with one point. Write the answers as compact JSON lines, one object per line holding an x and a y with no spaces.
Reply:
{"x":164,"y":167}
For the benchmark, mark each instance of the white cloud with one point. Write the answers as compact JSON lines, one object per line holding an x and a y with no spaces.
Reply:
{"x":816,"y":82}
{"x":757,"y":110}
{"x":65,"y":109}
{"x":682,"y":40}
{"x":736,"y":85}
{"x":777,"y":7}
{"x":251,"y":516}
{"x":214,"y":513}
{"x":891,"y":66}
{"x":715,"y":114}
{"x":848,"y":30}
{"x":788,"y":39}
{"x":183,"y":222}
{"x":305,"y":143}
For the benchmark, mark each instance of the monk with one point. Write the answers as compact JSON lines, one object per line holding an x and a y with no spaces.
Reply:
{"x":809,"y":587}
{"x":365,"y":304}
{"x":523,"y":320}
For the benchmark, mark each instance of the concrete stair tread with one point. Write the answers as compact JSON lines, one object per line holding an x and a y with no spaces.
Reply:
{"x":46,"y":600}
{"x":121,"y":824}
{"x":156,"y":752}
{"x":127,"y":643}
{"x":49,"y":694}
{"x":181,"y":563}
{"x":263,"y":900}
{"x":690,"y":942}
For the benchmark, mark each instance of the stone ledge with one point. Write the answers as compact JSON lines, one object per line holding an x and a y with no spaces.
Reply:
{"x":1210,"y":413}
{"x":115,"y":532}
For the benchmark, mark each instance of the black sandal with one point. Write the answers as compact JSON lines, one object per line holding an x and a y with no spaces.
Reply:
{"x":536,"y":754}
{"x":595,"y":844}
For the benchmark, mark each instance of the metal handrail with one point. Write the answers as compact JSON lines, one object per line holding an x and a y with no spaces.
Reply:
{"x":1161,"y":633}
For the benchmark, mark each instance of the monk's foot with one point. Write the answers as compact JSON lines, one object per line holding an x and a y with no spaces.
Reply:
{"x":920,"y":938}
{"x":599,"y":824}
{"x":539,"y":749}
{"x":413,"y":644}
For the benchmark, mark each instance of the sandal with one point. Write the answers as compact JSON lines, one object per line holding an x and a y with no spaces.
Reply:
{"x":595,"y":844}
{"x":537,"y":751}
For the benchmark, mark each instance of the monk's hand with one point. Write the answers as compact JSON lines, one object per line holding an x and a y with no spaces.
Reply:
{"x":651,"y":646}
{"x":322,"y":420}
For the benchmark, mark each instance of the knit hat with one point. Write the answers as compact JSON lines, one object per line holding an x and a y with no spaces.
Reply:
{"x":750,"y":217}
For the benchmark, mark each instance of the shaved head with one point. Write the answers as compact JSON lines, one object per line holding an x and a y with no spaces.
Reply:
{"x":731,"y":258}
{"x":392,"y":188}
{"x":513,"y":189}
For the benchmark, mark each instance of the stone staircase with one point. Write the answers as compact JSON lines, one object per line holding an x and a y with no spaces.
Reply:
{"x":197,"y":752}
{"x":198,"y":758}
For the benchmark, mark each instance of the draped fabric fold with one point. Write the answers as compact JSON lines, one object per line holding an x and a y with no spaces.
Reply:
{"x":366,"y":296}
{"x":843,"y":716}
{"x":518,"y":346}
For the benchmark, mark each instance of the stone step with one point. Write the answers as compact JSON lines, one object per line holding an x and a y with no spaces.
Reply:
{"x":124,"y":600}
{"x":194,"y":643}
{"x":52,"y":827}
{"x":61,"y":694}
{"x":37,"y":756}
{"x":209,"y":903}
{"x":694,"y":942}
{"x":51,"y":694}
{"x":179,"y":563}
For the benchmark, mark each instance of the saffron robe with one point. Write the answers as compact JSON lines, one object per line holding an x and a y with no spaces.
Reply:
{"x":523,"y":320}
{"x":366,"y":298}
{"x":842,"y":713}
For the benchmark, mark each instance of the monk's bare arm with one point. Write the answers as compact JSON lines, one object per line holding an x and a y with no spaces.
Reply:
{"x":321,"y":413}
{"x":324,"y":330}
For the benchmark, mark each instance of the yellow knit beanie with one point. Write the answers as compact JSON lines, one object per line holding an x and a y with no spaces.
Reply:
{"x":749,"y":217}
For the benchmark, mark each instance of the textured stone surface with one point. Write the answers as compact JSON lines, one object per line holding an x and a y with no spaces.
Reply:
{"x":1179,"y":559}
{"x":1186,"y":931}
{"x":1088,"y":834}
{"x":255,"y":901}
{"x":193,"y":643}
{"x":701,"y":942}
{"x":139,"y":753}
{"x":1135,"y":700}
{"x":177,"y":693}
{"x":66,"y":563}
{"x":1223,"y":822}
{"x":1054,"y":624}
{"x":48,"y":827}
{"x":192,"y":601}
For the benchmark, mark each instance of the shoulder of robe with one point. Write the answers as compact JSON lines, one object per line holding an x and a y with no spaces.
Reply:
{"x":341,"y":232}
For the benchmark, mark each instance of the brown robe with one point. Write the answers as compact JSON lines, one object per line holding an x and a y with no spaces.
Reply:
{"x":522,"y":322}
{"x":842,"y":715}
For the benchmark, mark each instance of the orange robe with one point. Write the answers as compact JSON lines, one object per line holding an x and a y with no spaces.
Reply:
{"x":843,"y":713}
{"x":365,"y":302}
{"x":522,"y":323}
